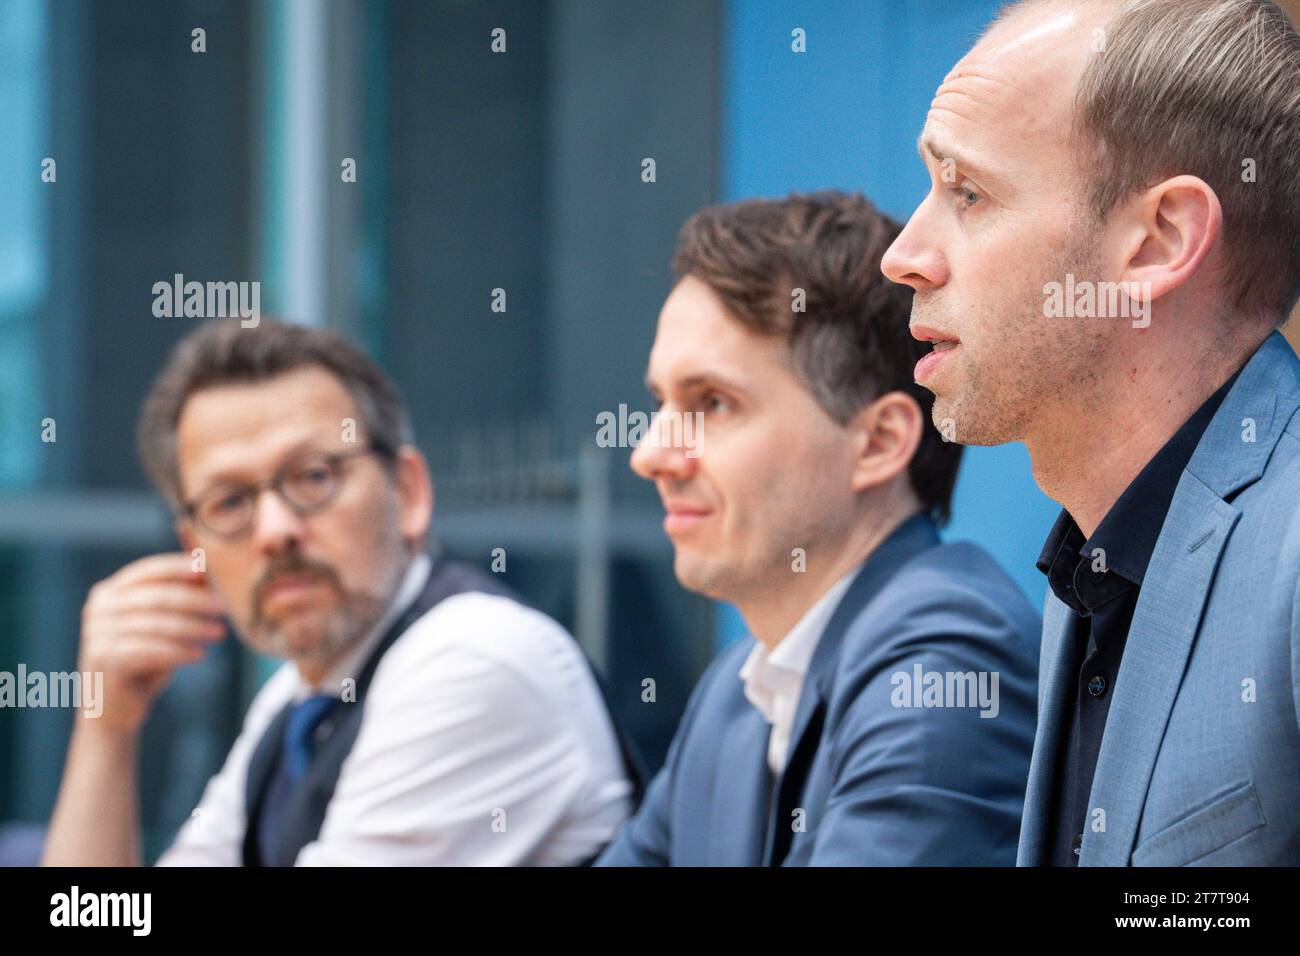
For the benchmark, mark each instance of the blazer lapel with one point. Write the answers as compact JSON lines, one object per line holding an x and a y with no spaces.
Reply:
{"x":805,"y":735}
{"x":1160,"y":641}
{"x":909,"y":539}
{"x":1055,"y":681}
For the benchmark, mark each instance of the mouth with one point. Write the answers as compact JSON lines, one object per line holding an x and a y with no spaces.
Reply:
{"x":289,"y":588}
{"x":681,"y":518}
{"x":943,"y":344}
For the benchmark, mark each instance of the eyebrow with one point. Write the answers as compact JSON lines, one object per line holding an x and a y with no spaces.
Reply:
{"x":302,"y":448}
{"x":700,"y":380}
{"x":924,"y":145}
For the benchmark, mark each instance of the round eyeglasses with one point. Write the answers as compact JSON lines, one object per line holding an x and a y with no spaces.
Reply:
{"x":307,"y":484}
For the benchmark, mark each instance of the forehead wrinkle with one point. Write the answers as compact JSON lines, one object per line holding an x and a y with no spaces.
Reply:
{"x":969,"y":71}
{"x":968,"y":86}
{"x":956,"y":90}
{"x":1009,"y":89}
{"x":956,"y":112}
{"x":964,"y":149}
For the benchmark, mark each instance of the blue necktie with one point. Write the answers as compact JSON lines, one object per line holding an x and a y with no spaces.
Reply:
{"x":296,"y":749}
{"x":300,"y":732}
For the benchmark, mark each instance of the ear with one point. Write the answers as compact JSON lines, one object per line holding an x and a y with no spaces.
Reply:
{"x":414,"y":494}
{"x":889,"y":431}
{"x":1174,"y":226}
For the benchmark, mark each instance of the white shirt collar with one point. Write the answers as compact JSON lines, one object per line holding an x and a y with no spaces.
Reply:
{"x":350,"y":664}
{"x":774,"y":679}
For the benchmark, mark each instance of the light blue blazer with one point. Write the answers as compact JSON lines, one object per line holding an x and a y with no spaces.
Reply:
{"x":1200,"y":758}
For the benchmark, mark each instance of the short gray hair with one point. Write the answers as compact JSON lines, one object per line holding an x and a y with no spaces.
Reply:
{"x":223,"y":352}
{"x":1201,"y":87}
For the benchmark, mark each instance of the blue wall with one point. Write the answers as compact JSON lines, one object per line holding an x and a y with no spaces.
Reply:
{"x":846,"y":114}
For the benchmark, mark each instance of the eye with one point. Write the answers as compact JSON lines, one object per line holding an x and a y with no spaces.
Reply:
{"x":314,"y":474}
{"x":713,"y":402}
{"x":226,"y":503}
{"x":964,"y":196}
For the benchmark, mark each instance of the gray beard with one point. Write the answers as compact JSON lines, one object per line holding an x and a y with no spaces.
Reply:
{"x":344,"y":630}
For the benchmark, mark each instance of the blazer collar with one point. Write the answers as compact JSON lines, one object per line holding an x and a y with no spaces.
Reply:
{"x":1240,"y":440}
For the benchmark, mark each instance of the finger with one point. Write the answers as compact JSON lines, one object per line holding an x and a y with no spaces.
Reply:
{"x":177,"y":627}
{"x":146,"y":654}
{"x":172,"y":566}
{"x":172,"y":596}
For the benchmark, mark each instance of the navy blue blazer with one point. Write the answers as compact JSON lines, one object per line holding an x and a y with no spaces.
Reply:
{"x":895,"y":759}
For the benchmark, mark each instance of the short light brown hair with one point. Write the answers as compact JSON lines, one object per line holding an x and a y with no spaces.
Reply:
{"x":851,"y":343}
{"x":223,"y":352}
{"x":1206,"y":88}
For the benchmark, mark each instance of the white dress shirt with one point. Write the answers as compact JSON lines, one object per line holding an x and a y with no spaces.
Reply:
{"x":484,"y":741}
{"x":773,"y":679}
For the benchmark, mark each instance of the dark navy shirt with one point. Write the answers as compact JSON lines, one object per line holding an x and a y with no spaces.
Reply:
{"x":1099,"y":580}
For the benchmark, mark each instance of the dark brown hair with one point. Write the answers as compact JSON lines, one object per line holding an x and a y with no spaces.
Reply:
{"x":222,"y":352}
{"x":850,"y":344}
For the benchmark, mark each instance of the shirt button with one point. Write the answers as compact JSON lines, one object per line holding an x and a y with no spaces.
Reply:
{"x":1097,"y":686}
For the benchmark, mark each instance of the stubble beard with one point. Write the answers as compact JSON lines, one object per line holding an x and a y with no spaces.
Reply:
{"x":1036,"y":362}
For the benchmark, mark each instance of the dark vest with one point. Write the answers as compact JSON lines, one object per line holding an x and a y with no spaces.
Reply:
{"x":305,"y":811}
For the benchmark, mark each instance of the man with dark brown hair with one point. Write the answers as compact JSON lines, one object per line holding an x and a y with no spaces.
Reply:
{"x":882,"y":711}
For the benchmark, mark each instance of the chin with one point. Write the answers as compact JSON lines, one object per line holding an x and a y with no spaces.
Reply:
{"x":300,"y":636}
{"x":277,"y":643}
{"x":954,"y":418}
{"x":700,"y":577}
{"x":942,"y":408}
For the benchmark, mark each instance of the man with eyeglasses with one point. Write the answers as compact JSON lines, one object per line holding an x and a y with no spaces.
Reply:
{"x":424,"y":714}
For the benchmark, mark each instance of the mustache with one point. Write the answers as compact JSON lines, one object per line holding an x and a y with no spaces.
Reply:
{"x":293,"y":564}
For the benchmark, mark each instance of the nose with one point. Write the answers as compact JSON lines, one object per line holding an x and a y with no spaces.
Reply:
{"x":659,"y":456}
{"x":915,"y":258}
{"x":275,"y":524}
